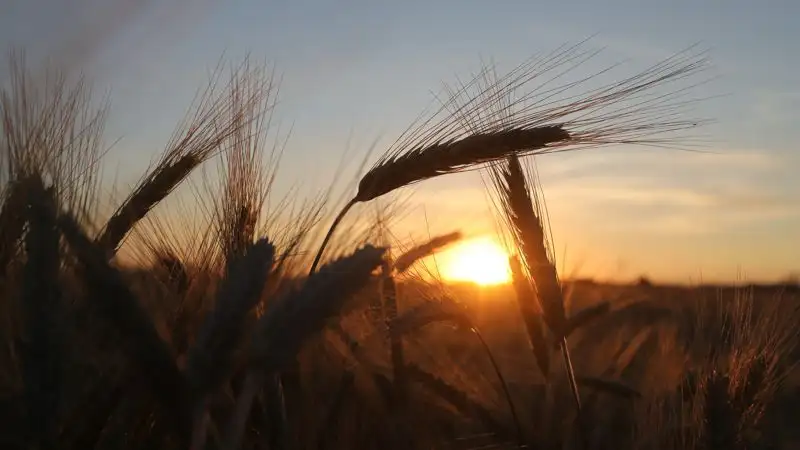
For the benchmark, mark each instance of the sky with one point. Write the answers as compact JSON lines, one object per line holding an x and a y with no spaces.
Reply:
{"x":356,"y":73}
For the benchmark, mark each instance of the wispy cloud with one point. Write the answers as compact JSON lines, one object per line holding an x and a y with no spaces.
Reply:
{"x":631,"y":195}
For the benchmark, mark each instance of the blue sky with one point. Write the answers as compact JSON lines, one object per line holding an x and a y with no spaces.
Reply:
{"x":357,"y":71}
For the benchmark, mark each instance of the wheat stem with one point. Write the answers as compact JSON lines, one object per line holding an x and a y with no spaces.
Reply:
{"x":329,"y":234}
{"x":244,"y":403}
{"x":390,"y":307}
{"x":511,"y":408}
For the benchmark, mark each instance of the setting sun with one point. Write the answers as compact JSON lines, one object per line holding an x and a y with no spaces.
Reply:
{"x":481,"y":261}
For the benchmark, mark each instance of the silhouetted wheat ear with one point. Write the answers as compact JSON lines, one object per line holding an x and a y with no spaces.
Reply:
{"x":290,"y":320}
{"x":113,"y":299}
{"x":156,"y":188}
{"x":210,"y":360}
{"x":41,"y":303}
{"x":51,"y":127}
{"x":520,"y":206}
{"x":407,"y":259}
{"x":420,"y":163}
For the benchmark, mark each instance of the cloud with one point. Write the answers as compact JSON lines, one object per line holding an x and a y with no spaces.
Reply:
{"x":674,"y":225}
{"x":625,"y":195}
{"x":725,"y":162}
{"x":776,"y":106}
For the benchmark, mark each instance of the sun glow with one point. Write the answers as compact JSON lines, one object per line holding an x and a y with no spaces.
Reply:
{"x":481,"y":261}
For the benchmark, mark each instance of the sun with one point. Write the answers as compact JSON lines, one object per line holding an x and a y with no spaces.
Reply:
{"x":480,"y":260}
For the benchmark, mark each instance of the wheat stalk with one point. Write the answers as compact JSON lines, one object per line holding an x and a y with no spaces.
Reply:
{"x":388,"y":293}
{"x":288,"y":321}
{"x":547,"y":119}
{"x":345,"y":385}
{"x":41,"y":304}
{"x":176,"y":272}
{"x":424,"y":162}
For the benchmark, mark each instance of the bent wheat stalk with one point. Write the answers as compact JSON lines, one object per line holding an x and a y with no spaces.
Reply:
{"x":549,"y":118}
{"x":450,"y":156}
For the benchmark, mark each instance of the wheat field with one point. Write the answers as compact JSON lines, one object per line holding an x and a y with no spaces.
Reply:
{"x":269,"y":325}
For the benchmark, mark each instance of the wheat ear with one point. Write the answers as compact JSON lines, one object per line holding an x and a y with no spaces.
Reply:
{"x":211,"y":359}
{"x":214,"y":120}
{"x":159,"y":184}
{"x":290,"y":320}
{"x":407,"y":259}
{"x":522,"y":211}
{"x":53,"y":128}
